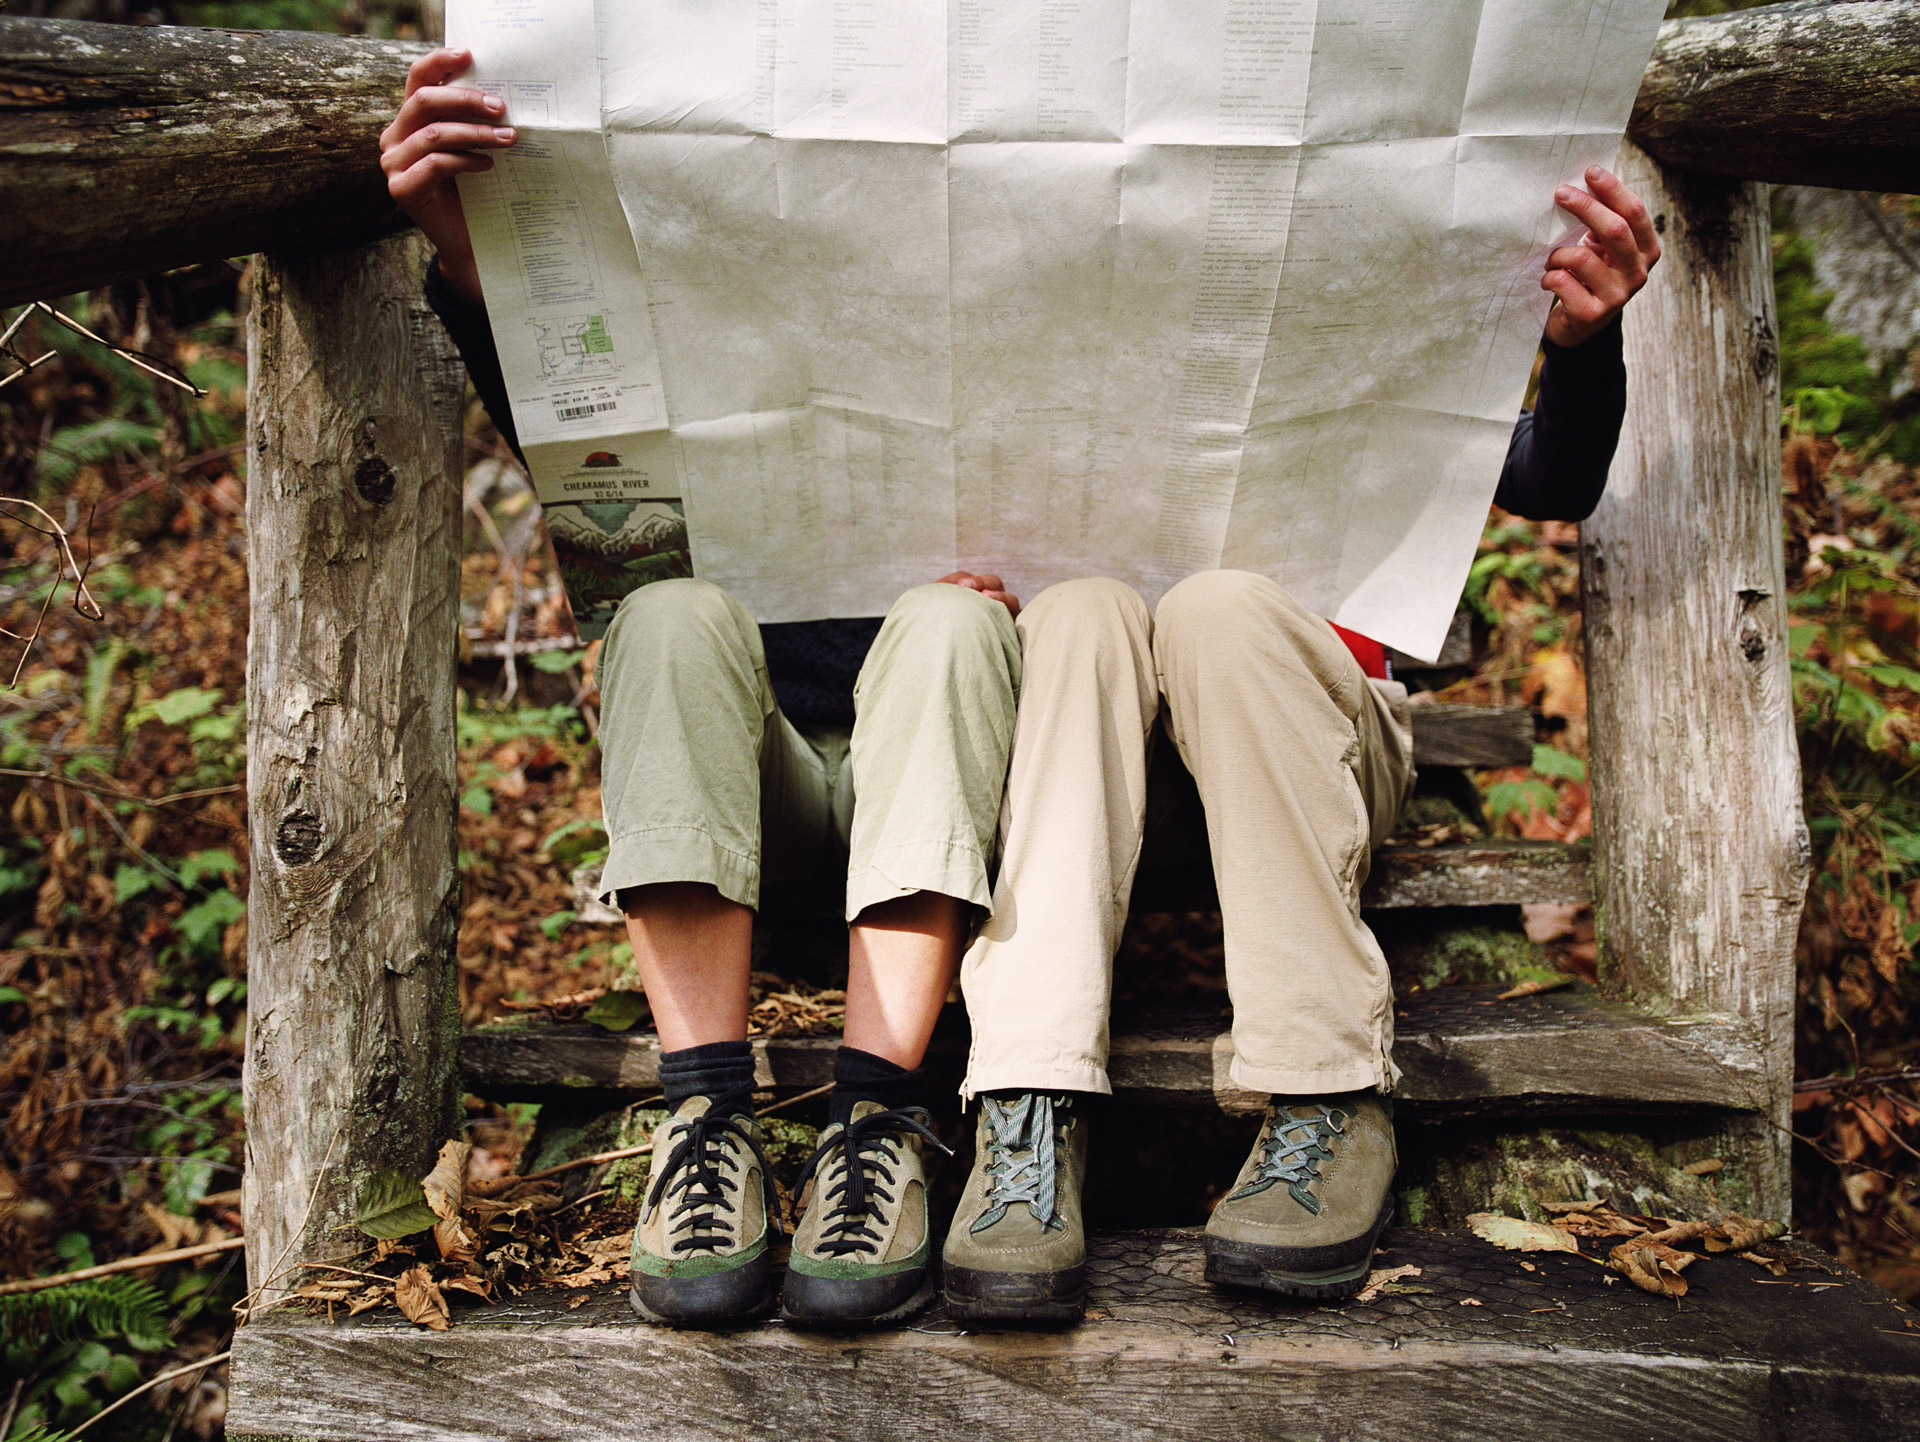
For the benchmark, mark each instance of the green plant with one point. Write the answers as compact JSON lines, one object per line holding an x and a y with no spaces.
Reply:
{"x":66,"y":1343}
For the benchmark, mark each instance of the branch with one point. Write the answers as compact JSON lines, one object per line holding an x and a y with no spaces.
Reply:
{"x":125,"y":1264}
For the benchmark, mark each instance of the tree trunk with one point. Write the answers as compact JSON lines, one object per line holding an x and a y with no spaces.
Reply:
{"x":353,"y":429}
{"x":126,"y":150}
{"x":1700,"y":848}
{"x":1807,"y":94}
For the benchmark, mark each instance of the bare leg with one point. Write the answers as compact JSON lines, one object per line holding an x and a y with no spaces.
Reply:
{"x":902,"y":956}
{"x":694,"y":949}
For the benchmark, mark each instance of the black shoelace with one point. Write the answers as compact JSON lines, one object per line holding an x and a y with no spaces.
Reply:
{"x":702,"y":1188}
{"x":867,"y":1175}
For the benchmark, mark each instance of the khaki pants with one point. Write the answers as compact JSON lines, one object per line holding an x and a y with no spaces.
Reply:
{"x":703,"y":778}
{"x":1302,"y":765}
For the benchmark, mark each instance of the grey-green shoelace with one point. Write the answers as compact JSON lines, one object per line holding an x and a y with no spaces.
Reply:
{"x":1292,"y":1148}
{"x":1020,"y":1156}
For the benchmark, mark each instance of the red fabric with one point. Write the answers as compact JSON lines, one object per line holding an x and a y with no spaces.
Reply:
{"x":1371,"y":655}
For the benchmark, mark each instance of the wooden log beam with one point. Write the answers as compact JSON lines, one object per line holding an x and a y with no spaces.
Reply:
{"x":1700,"y":848}
{"x":353,"y":526}
{"x":1470,"y":1348}
{"x":1463,"y":1051}
{"x":1803,"y":94}
{"x":127,"y":150}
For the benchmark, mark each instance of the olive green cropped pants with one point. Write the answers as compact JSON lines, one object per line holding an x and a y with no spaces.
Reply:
{"x":703,"y":778}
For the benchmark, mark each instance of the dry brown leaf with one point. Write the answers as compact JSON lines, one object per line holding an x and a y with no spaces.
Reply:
{"x":475,"y":1286}
{"x":1652,"y":1267}
{"x":1534,"y":988}
{"x":446,"y":1184}
{"x":1515,"y":1234}
{"x":456,"y":1243}
{"x":1591,"y":1204}
{"x":1704,"y":1168}
{"x":1737,"y":1234}
{"x":420,"y":1299}
{"x":368,"y":1300}
{"x":1673,"y":1234}
{"x":1775,"y":1265}
{"x":1380,"y":1277}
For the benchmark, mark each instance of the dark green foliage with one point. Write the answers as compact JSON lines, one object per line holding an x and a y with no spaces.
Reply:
{"x":104,"y":1307}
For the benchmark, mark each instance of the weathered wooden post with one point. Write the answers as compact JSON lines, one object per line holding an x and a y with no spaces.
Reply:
{"x":1700,"y":844}
{"x":353,"y":408}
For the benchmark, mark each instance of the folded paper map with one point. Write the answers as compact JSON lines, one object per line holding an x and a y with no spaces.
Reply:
{"x":822,"y":299}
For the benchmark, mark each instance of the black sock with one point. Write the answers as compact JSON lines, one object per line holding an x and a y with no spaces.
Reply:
{"x":714,"y":1070}
{"x":860,"y":1076}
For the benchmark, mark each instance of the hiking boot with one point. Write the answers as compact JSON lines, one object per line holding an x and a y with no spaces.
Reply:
{"x":861,"y":1253}
{"x":700,"y":1246}
{"x":1311,"y":1201}
{"x":1018,"y":1249}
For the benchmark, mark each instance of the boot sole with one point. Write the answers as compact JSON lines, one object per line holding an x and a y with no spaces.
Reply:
{"x":827,"y":1303}
{"x":711,"y":1301}
{"x":1018,"y":1298}
{"x":1253,"y":1267}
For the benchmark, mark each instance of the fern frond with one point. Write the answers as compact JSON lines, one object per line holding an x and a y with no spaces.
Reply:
{"x":104,"y":1307}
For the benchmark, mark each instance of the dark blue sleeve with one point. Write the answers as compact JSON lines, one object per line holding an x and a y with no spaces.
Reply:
{"x":472,"y":335}
{"x":1558,"y":458}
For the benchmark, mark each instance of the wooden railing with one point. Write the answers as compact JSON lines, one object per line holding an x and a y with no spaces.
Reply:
{"x":124,"y":151}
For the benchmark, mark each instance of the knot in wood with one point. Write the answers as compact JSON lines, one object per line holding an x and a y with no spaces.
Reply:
{"x":374,"y":479}
{"x":296,"y":841}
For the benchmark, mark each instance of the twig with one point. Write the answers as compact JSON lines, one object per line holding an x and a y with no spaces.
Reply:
{"x":141,"y":359}
{"x":112,"y":795}
{"x":201,"y":1365}
{"x":624,"y":1152}
{"x":82,"y":597}
{"x":167,"y":873}
{"x":243,"y":1308}
{"x":13,"y":1402}
{"x":124,"y":1264}
{"x":592,"y":1161}
{"x":1842,"y":1083}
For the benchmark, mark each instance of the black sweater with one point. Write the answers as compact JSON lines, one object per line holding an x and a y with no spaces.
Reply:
{"x":1556,"y":468}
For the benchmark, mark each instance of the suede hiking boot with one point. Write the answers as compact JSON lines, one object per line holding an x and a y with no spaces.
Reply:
{"x":700,"y":1246}
{"x":1311,"y":1201}
{"x":861,"y":1252}
{"x":1017,"y":1251}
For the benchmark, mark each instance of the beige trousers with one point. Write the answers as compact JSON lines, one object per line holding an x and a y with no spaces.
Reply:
{"x":703,"y":778}
{"x":1302,"y":765}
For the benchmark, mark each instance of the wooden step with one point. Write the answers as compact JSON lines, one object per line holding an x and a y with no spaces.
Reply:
{"x":1461,"y":873}
{"x":1458,"y":1047}
{"x":1475,"y":1348}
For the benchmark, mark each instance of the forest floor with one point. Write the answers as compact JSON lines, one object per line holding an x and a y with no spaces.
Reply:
{"x":123,"y":854}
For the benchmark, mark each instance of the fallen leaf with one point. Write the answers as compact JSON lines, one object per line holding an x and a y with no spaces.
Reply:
{"x":1775,"y":1265}
{"x":1516,"y":1234}
{"x":618,"y":1010}
{"x":393,"y":1205}
{"x":1534,"y":988}
{"x":456,"y":1243}
{"x":1737,"y":1234}
{"x":1704,"y":1169}
{"x":475,"y":1286}
{"x":445,"y":1186}
{"x":1380,"y":1276}
{"x":1652,"y":1267}
{"x":1471,"y":1302}
{"x":368,"y":1300}
{"x":420,"y":1299}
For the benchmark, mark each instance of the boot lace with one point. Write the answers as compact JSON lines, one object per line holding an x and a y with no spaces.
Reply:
{"x":861,"y":1176}
{"x":693,"y":1178}
{"x":1020,"y":1160}
{"x":1292,"y":1148}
